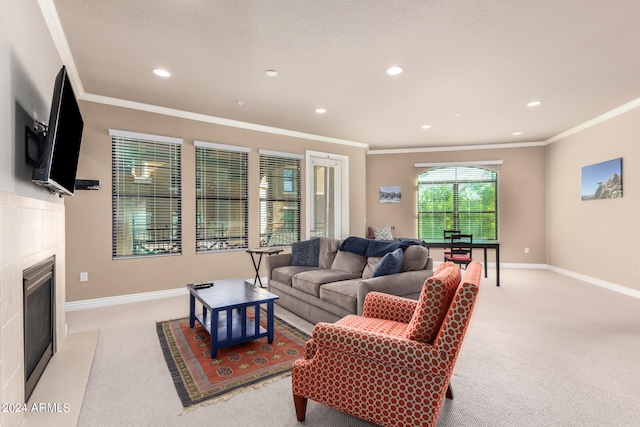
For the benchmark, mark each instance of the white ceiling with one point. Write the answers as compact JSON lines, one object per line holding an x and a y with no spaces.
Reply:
{"x":470,"y":66}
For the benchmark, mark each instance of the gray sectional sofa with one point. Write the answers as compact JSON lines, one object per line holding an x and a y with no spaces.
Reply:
{"x":328,"y":284}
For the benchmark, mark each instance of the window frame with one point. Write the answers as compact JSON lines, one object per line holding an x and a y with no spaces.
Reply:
{"x":221,"y":238}
{"x":159,"y":201}
{"x":289,"y":229}
{"x":465,"y":176}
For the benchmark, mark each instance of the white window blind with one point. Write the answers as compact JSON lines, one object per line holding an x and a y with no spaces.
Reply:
{"x":146,"y":195}
{"x":461,"y":198}
{"x":279,"y":199}
{"x":221,"y":197}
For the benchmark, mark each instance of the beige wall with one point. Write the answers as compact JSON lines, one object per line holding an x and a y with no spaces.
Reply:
{"x":521,"y":194}
{"x":89,"y":212}
{"x":596,"y":238}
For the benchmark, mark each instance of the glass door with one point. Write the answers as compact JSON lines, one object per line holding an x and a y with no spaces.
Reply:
{"x":325,"y":196}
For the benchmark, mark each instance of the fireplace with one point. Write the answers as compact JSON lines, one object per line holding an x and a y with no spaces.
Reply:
{"x":39,"y":297}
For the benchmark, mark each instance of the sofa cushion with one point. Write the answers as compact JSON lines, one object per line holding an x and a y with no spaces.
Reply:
{"x":285,"y":274}
{"x":306,"y":253}
{"x":343,"y":294}
{"x":328,"y":250}
{"x":311,"y":281}
{"x":433,"y":303}
{"x":372,"y":261}
{"x":415,"y":258}
{"x":391,"y":263}
{"x":349,"y":262}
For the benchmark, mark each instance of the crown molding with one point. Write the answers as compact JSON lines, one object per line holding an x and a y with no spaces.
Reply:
{"x":116,"y":102}
{"x":597,"y":120}
{"x":457,"y":148}
{"x":51,"y":18}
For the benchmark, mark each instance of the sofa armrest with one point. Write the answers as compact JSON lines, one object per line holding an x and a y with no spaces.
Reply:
{"x":275,"y":261}
{"x":429,"y":265}
{"x":389,"y":307}
{"x":401,"y":284}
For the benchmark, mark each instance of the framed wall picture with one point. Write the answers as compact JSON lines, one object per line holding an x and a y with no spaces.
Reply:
{"x":602,"y":180}
{"x":390,"y":194}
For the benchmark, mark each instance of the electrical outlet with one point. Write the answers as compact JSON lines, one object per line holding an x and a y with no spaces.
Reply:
{"x":84,"y":277}
{"x":526,"y":250}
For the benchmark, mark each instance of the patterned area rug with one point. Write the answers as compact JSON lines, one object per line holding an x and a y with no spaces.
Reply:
{"x":201,"y":380}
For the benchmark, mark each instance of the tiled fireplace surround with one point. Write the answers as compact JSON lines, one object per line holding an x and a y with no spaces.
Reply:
{"x":31,"y":230}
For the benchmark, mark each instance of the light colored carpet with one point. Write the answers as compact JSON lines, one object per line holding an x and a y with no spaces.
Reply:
{"x":543,"y":350}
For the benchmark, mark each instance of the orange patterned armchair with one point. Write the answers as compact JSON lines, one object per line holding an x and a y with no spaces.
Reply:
{"x":392,"y":365}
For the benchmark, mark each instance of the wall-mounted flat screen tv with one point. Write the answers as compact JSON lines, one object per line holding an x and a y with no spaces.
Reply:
{"x":57,"y":167}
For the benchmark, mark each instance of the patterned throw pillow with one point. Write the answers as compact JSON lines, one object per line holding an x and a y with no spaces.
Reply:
{"x":435,"y":299}
{"x":382,"y":233}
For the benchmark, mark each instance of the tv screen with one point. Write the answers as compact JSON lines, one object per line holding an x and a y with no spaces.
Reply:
{"x":59,"y":163}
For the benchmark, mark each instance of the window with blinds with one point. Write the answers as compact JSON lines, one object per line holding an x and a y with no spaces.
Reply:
{"x":461,"y":198}
{"x":221,"y":197}
{"x":146,"y":195}
{"x":279,"y":198}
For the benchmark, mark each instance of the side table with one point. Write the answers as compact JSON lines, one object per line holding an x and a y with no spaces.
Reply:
{"x":261,"y":252}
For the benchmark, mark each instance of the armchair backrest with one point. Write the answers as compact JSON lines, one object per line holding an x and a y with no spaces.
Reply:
{"x":435,"y":298}
{"x":454,"y":327}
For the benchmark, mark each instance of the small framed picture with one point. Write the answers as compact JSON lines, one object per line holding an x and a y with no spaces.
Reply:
{"x":602,"y":180}
{"x":390,"y":194}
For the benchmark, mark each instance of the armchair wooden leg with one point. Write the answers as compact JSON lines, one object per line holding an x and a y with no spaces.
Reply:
{"x":301,"y":406}
{"x":449,"y":392}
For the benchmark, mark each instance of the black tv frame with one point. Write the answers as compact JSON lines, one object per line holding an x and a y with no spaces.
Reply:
{"x":47,"y":140}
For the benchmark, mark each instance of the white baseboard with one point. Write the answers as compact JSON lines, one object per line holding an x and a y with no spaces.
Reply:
{"x":127,"y":299}
{"x":591,"y":280}
{"x":123,"y":299}
{"x":520,"y":265}
{"x":603,"y":284}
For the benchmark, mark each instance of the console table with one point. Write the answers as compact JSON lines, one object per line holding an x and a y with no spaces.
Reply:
{"x":480,"y":244}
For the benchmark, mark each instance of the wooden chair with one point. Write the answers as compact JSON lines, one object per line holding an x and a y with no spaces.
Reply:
{"x":460,"y":249}
{"x":447,"y":236}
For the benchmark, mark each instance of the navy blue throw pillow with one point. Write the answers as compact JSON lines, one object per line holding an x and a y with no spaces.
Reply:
{"x":391,"y":263}
{"x":306,"y":253}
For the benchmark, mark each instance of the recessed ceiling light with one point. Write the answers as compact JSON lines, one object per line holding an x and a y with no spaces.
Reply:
{"x":160,"y":72}
{"x":516,"y":133}
{"x":321,"y":110}
{"x":395,"y":70}
{"x":271,"y":73}
{"x":426,"y":127}
{"x":534,"y":103}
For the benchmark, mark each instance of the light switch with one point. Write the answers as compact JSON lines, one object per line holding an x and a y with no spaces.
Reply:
{"x":84,"y":277}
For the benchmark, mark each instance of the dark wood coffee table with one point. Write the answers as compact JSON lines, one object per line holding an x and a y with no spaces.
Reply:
{"x":224,"y":312}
